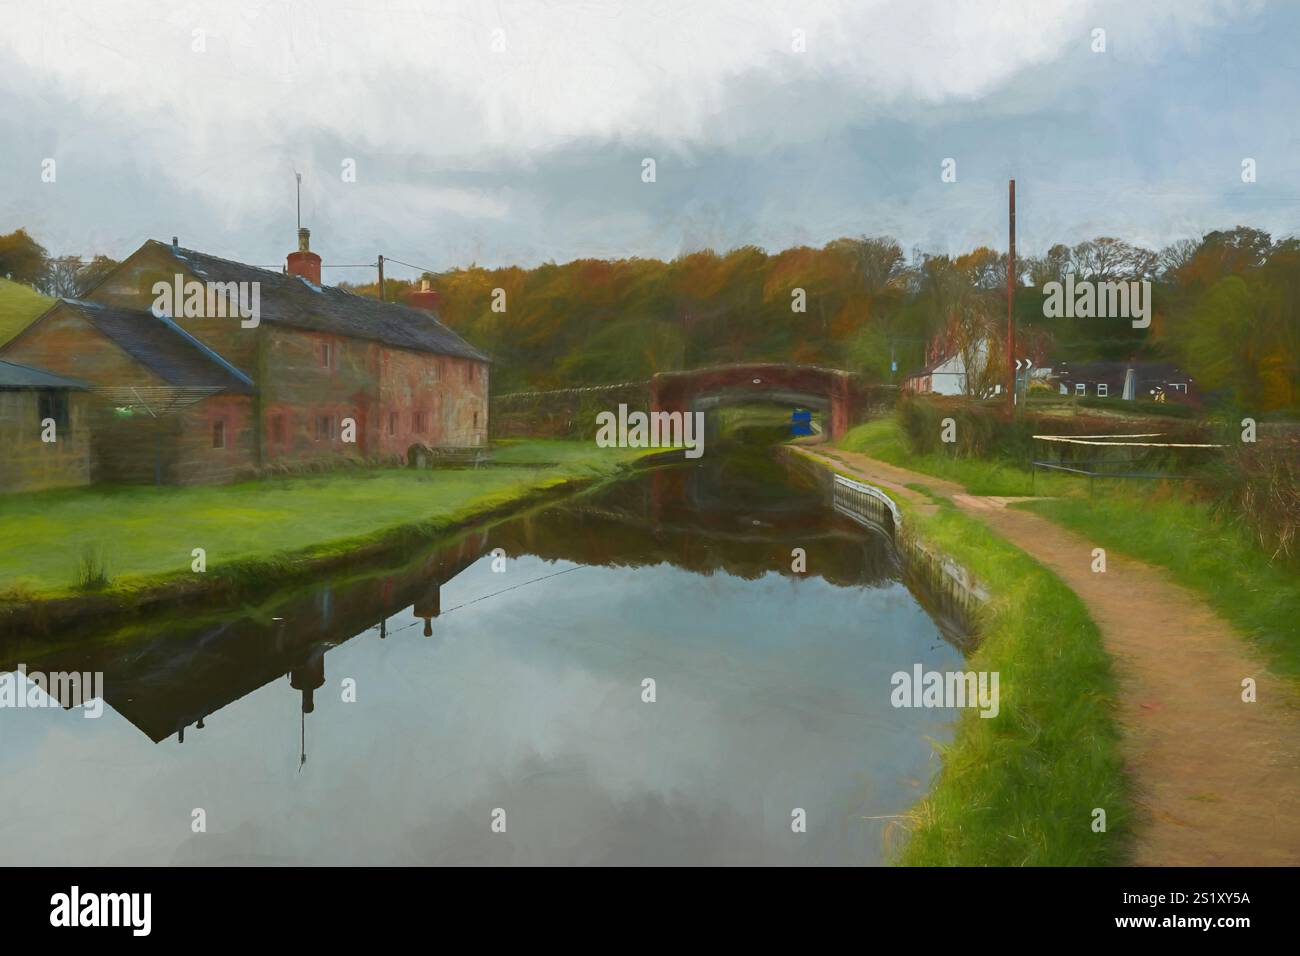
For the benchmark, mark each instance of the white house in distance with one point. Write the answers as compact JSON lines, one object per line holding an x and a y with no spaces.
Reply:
{"x":946,"y":376}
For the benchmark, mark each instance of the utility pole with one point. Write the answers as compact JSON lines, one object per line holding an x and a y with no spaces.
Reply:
{"x":381,"y":278}
{"x":1011,"y":299}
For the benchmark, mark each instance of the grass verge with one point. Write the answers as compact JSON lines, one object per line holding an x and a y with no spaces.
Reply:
{"x":1161,"y":525}
{"x":884,"y":439}
{"x":1020,"y":789}
{"x":1261,"y":598}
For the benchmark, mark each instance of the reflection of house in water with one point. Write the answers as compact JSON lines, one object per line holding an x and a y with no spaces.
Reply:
{"x":189,"y":671}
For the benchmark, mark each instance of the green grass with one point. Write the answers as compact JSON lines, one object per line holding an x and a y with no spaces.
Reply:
{"x":19,"y":305}
{"x":141,"y":534}
{"x":1260,"y":598}
{"x":1020,"y":789}
{"x":884,"y":439}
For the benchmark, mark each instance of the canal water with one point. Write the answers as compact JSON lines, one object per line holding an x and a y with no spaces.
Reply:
{"x":501,"y":681}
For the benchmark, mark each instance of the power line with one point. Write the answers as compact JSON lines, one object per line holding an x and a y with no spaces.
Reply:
{"x":553,"y":574}
{"x":432,"y":272}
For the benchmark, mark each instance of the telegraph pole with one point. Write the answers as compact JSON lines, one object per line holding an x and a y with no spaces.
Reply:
{"x":381,"y":278}
{"x":1011,"y":299}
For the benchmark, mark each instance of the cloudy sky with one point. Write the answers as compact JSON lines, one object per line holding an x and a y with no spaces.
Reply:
{"x":515,"y":132}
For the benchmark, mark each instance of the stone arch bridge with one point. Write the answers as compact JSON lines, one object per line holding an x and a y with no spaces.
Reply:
{"x":838,"y":393}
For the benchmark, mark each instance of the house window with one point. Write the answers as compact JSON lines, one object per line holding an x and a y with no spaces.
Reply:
{"x":476,"y":420}
{"x":1178,"y":387}
{"x":418,"y":423}
{"x":1102,"y":389}
{"x":277,"y":428}
{"x":469,"y":372}
{"x":219,"y":434}
{"x":1081,"y":389}
{"x":327,"y":355}
{"x":392,"y":423}
{"x":324,"y":427}
{"x":55,"y":405}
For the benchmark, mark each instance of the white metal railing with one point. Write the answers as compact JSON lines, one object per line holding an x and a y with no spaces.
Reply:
{"x":861,"y":500}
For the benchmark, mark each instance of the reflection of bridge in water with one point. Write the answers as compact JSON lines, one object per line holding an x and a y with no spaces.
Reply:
{"x":190,"y":667}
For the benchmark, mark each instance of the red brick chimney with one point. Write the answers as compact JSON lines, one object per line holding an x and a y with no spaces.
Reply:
{"x":304,"y":262}
{"x":425,"y":298}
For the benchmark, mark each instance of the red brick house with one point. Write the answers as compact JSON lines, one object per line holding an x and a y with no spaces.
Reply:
{"x":316,"y":374}
{"x":43,"y":430}
{"x":157,"y":393}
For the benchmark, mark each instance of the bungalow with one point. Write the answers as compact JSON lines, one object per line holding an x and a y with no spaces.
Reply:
{"x":43,"y":436}
{"x":316,"y":374}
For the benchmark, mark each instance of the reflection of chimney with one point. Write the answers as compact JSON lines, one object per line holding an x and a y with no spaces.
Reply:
{"x":304,"y":262}
{"x":307,"y":677}
{"x":425,"y":298}
{"x":429,"y":607}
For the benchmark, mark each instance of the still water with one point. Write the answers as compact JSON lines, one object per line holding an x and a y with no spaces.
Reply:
{"x":511,"y":688}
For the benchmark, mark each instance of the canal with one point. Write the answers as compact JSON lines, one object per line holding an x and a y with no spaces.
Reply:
{"x":636,"y":675}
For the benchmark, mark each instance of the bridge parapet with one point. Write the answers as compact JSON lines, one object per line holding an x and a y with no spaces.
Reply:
{"x":842,"y":395}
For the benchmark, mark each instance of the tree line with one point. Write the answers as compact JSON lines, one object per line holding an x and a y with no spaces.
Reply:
{"x":23,"y":259}
{"x":1226,"y":308}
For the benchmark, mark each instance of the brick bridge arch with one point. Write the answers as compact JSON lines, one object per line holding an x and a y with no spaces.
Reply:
{"x":832,"y":390}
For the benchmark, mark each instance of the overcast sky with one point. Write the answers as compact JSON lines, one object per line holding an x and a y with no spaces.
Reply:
{"x":506,"y":132}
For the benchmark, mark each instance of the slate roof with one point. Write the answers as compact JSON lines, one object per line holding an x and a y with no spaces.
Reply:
{"x":163,"y":347}
{"x":292,"y":301}
{"x":14,"y":376}
{"x":1115,"y":371}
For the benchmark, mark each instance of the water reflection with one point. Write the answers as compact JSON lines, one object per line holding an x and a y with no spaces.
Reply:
{"x":521,"y":688}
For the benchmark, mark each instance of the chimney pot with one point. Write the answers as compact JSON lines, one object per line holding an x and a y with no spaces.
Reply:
{"x":304,"y":262}
{"x":425,"y":298}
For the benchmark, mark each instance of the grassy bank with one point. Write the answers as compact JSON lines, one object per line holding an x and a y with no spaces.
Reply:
{"x":19,"y":305}
{"x":116,"y":540}
{"x":884,"y":439}
{"x":1159,"y":524}
{"x":1259,"y":597}
{"x":1020,"y":789}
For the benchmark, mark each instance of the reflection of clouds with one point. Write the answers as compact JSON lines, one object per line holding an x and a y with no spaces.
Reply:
{"x":515,"y":703}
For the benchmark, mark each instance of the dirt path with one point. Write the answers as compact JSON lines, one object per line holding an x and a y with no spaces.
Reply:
{"x":1217,"y":779}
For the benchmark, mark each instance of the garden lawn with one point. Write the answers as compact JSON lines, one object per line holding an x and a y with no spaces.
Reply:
{"x":139,"y":533}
